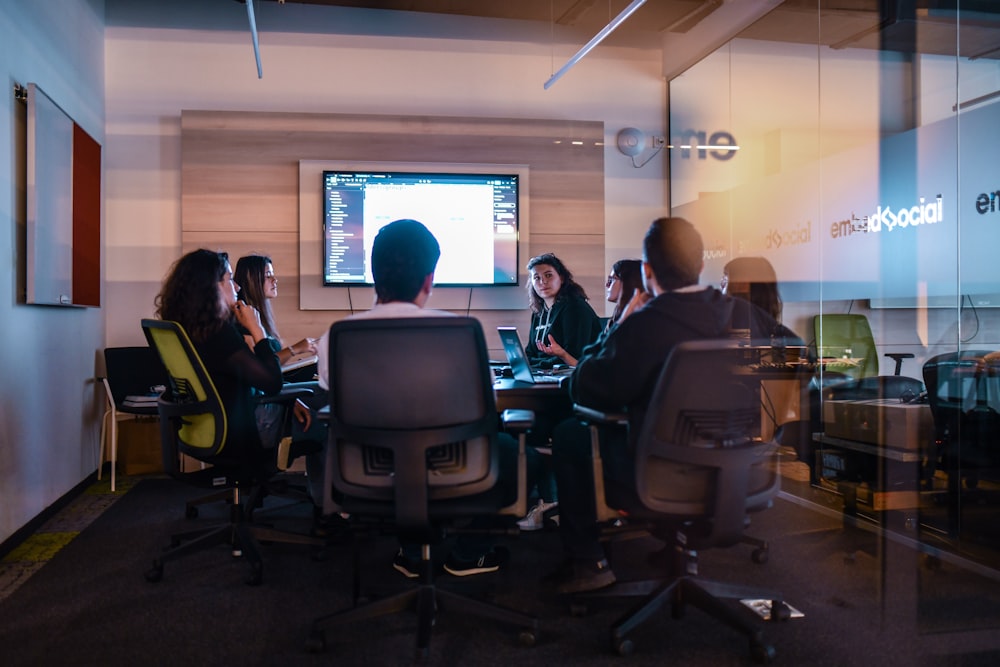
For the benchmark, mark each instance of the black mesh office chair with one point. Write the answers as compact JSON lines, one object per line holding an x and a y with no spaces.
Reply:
{"x":413,"y":445}
{"x":701,"y":469}
{"x":963,"y":393}
{"x":194,"y":422}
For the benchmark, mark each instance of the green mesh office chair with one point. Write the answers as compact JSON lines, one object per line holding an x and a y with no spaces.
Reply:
{"x":194,"y":422}
{"x":846,"y":341}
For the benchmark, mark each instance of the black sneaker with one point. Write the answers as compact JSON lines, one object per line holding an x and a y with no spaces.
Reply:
{"x":579,"y":576}
{"x":491,"y":561}
{"x":407,"y":566}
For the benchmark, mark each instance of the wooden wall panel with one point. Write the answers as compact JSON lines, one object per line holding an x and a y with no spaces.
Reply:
{"x":240,"y":189}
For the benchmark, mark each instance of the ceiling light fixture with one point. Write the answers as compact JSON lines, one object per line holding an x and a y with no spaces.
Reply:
{"x":597,"y":39}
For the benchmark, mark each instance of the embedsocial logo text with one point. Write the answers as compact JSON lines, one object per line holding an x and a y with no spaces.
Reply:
{"x":885,"y":218}
{"x":988,"y":202}
{"x":777,"y":238}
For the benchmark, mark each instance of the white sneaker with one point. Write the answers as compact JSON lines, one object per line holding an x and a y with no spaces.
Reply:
{"x":535,"y":519}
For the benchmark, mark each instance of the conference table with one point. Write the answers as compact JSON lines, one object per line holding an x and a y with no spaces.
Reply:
{"x":542,"y":397}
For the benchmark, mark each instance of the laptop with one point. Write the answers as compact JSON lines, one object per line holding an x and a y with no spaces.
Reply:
{"x":519,"y":365}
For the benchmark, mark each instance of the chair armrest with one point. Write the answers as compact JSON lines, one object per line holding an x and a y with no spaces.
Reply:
{"x":288,"y":394}
{"x":595,"y":416}
{"x":518,"y":421}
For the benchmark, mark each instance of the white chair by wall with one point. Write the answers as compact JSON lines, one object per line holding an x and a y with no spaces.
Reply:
{"x":130,"y":376}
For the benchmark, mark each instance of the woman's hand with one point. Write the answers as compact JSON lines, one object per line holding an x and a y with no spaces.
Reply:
{"x":304,"y":346}
{"x":638,"y":300}
{"x":248,"y":316}
{"x":302,"y":414}
{"x":551,"y":347}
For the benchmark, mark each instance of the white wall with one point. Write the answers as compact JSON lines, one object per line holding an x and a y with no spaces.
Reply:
{"x":335,"y":60}
{"x":48,"y":410}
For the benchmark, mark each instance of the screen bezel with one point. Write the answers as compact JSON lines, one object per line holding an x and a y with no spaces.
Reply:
{"x":313,"y":295}
{"x":475,"y":172}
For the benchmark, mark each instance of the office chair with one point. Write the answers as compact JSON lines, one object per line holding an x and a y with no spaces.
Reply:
{"x":700,"y":470}
{"x":194,"y":422}
{"x":849,"y":371}
{"x":849,"y":337}
{"x":413,"y":444}
{"x":963,"y":393}
{"x":129,"y":373}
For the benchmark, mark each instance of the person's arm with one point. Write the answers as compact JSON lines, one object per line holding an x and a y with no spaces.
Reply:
{"x":576,"y":326}
{"x":304,"y":346}
{"x":260,"y":368}
{"x":615,"y":374}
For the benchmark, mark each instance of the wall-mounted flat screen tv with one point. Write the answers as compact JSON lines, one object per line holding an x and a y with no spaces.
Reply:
{"x":474,"y":217}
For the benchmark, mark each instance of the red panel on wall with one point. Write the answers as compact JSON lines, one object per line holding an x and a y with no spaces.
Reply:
{"x":86,"y":219}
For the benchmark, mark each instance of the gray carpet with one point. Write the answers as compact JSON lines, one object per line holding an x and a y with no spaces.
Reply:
{"x":91,"y":605}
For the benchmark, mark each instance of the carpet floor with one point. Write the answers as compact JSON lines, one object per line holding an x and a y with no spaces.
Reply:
{"x":865,"y":599}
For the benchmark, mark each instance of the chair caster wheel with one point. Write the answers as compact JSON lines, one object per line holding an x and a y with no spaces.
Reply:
{"x":762,"y":654}
{"x":155,"y":573}
{"x":256,"y":576}
{"x":623,"y":647}
{"x":527,"y":638}
{"x":191,"y":513}
{"x":780,"y":611}
{"x":760,"y":556}
{"x":577,"y":609}
{"x":316,"y":642}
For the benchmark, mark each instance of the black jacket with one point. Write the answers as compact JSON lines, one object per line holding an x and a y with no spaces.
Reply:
{"x":621,"y":372}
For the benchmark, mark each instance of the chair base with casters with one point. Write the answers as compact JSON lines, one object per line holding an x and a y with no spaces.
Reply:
{"x":426,"y":598}
{"x":239,"y":533}
{"x":681,"y":586}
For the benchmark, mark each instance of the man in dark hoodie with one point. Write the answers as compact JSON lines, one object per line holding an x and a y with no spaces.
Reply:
{"x":621,"y":372}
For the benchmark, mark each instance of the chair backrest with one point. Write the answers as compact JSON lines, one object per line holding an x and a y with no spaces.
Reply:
{"x":963,"y":392}
{"x":699,"y":455}
{"x":839,"y":336}
{"x":413,"y":420}
{"x":132,"y":371}
{"x":193,"y":417}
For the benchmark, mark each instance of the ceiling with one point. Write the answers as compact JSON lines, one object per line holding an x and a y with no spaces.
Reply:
{"x":907,"y":26}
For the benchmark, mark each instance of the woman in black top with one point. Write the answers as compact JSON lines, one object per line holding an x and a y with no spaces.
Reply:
{"x":562,"y":321}
{"x":200,"y":295}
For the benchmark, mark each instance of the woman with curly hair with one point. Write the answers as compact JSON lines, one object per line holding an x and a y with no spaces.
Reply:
{"x":199,"y":294}
{"x":562,"y":321}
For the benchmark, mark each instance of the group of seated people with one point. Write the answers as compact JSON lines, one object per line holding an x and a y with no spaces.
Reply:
{"x":659,"y":304}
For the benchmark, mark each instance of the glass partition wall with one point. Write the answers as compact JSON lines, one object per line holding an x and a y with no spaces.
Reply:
{"x":856,"y":147}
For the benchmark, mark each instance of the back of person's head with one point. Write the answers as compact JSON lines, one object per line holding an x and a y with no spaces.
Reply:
{"x":250,"y":274}
{"x":404,"y":253}
{"x":629,"y":273}
{"x":569,"y":287}
{"x":754,"y":279}
{"x":190,"y":293}
{"x":675,"y":252}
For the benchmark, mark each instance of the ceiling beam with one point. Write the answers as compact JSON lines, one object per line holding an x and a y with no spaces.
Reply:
{"x":682,"y":50}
